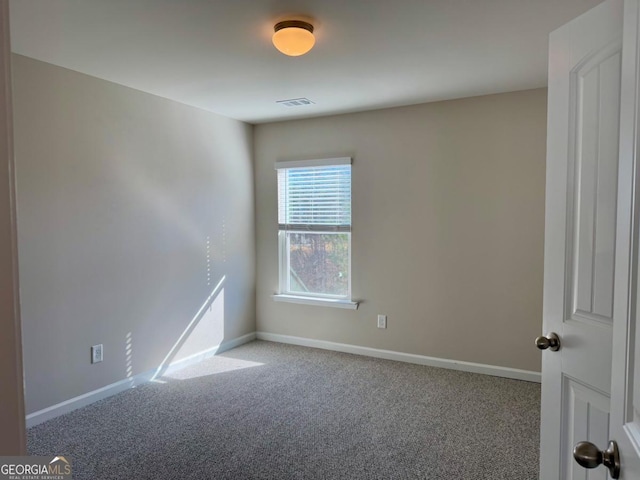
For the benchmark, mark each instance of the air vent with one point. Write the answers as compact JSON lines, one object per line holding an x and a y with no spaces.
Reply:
{"x":295,"y":102}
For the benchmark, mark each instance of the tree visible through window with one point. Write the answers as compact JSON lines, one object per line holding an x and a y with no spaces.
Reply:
{"x":314,"y":217}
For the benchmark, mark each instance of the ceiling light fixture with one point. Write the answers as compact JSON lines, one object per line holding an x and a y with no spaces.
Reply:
{"x":293,"y":37}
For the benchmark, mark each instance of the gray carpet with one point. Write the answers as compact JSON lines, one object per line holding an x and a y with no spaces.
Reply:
{"x":272,"y":411}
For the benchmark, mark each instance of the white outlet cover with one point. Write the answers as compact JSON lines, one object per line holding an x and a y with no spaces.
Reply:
{"x":382,"y":321}
{"x":97,"y":353}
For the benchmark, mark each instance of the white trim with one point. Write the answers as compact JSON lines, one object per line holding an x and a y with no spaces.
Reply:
{"x":318,"y":162}
{"x":83,"y":400}
{"x":493,"y":370}
{"x":109,"y":390}
{"x":87,"y":398}
{"x":317,"y":301}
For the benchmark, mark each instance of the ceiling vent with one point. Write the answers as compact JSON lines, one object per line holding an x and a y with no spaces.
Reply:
{"x":295,"y":102}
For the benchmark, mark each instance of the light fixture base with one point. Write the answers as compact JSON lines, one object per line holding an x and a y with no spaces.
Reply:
{"x":293,"y":24}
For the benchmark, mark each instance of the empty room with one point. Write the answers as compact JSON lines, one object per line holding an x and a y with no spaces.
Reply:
{"x":319,"y":239}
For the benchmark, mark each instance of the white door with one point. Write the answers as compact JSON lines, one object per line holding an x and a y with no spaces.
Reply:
{"x":625,"y":384}
{"x":580,"y":237}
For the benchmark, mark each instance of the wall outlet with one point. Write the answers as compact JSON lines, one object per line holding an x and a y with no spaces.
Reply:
{"x":382,"y":321}
{"x":96,"y":353}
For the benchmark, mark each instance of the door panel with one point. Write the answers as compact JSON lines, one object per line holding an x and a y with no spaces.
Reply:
{"x":580,"y":235}
{"x":596,"y":86}
{"x":587,"y":419}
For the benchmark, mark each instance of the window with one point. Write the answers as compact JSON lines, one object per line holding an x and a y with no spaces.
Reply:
{"x":314,"y":223}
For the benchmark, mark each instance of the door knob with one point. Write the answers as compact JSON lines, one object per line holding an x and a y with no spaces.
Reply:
{"x":588,"y":456}
{"x":550,"y":341}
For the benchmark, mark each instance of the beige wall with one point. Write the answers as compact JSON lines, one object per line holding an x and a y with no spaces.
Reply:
{"x":131,"y":208}
{"x":12,"y":430}
{"x":448,"y":227}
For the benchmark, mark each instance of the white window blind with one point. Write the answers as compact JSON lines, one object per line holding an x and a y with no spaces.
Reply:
{"x":314,"y":198}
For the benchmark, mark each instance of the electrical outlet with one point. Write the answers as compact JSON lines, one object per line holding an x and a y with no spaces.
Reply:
{"x":96,"y":353}
{"x":382,"y":321}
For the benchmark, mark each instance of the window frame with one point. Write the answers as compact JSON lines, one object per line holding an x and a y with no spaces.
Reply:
{"x":284,"y":287}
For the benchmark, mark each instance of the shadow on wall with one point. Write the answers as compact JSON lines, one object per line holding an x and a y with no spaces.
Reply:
{"x":203,"y":334}
{"x":206,"y":329}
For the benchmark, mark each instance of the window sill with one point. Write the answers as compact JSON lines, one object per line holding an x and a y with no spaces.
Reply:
{"x":321,"y":302}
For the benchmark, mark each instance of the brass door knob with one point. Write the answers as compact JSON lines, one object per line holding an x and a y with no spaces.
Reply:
{"x":588,"y":456}
{"x":550,"y":341}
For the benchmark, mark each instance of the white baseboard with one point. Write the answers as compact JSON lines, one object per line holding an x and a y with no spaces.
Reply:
{"x":493,"y":370}
{"x":87,"y":398}
{"x":107,"y":391}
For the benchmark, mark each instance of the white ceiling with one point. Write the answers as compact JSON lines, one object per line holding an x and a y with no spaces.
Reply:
{"x":217,"y":54}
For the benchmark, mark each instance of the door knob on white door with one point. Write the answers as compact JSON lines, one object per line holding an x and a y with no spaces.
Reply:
{"x":550,"y":341}
{"x":588,"y":456}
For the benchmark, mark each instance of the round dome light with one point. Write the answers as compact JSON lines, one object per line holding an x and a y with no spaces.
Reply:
{"x":293,"y":37}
